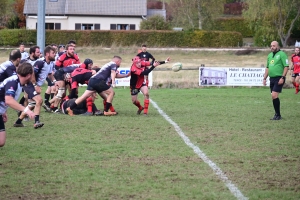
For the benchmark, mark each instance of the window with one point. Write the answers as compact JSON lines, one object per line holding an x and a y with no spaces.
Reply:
{"x":51,"y":26}
{"x":87,"y":26}
{"x":122,"y":27}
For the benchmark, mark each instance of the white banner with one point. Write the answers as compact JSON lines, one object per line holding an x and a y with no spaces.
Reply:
{"x":234,"y":76}
{"x":126,"y":81}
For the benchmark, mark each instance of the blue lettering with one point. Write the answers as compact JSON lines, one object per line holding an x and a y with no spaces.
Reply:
{"x":124,"y":71}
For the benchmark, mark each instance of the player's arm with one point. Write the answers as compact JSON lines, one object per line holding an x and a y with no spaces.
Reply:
{"x":147,"y":71}
{"x":123,"y":75}
{"x":113,"y":77}
{"x":10,"y":71}
{"x":59,"y":61}
{"x":164,"y":62}
{"x":11,"y":102}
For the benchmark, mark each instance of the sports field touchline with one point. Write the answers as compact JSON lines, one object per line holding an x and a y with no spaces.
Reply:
{"x":233,"y":189}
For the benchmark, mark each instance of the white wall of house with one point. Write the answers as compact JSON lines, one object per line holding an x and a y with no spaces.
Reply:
{"x":68,"y":22}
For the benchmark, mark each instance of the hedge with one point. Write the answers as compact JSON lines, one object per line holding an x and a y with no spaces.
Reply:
{"x":13,"y":37}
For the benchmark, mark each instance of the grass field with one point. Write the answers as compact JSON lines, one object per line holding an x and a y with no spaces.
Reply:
{"x":135,"y":157}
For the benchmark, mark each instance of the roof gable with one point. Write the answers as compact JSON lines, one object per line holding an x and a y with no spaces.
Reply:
{"x":90,"y":7}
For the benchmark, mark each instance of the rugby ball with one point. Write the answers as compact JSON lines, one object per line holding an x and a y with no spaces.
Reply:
{"x":176,"y":67}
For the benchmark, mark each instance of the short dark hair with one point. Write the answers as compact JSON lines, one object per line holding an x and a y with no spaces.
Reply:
{"x":21,"y":44}
{"x":72,"y":42}
{"x":118,"y":57}
{"x":24,"y":69}
{"x":33,"y":48}
{"x":67,"y":46}
{"x":14,"y":55}
{"x":48,"y":49}
{"x":143,"y":45}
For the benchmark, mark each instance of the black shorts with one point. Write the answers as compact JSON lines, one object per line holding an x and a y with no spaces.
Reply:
{"x":49,"y":82}
{"x":274,"y":84}
{"x":79,"y":109}
{"x":30,"y":90}
{"x":294,"y":75}
{"x":59,"y":75}
{"x":135,"y":91}
{"x":97,"y":85}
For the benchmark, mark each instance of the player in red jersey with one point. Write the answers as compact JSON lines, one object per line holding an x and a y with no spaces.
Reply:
{"x":296,"y":68}
{"x":145,"y":56}
{"x":67,"y":59}
{"x":81,"y":75}
{"x":137,"y":82}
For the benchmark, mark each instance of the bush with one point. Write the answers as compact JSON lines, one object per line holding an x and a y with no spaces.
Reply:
{"x":126,"y":38}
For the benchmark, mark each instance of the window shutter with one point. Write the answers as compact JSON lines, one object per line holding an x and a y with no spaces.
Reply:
{"x":57,"y":26}
{"x":132,"y":26}
{"x":113,"y":27}
{"x":77,"y":26}
{"x":97,"y":27}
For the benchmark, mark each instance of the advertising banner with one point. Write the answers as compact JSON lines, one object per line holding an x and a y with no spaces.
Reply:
{"x":234,"y":76}
{"x":126,"y":81}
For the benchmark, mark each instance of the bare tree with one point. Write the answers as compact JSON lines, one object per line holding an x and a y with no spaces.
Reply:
{"x":191,"y":14}
{"x":272,"y":19}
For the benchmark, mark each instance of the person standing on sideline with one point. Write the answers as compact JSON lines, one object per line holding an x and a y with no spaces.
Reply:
{"x":8,"y":94}
{"x":145,"y":56}
{"x":23,"y":52}
{"x":295,"y":58}
{"x":277,"y":68}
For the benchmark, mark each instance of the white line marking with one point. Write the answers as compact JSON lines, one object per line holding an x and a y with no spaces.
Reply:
{"x":233,"y":189}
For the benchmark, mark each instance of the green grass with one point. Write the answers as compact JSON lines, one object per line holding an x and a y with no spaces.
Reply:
{"x":136,"y":157}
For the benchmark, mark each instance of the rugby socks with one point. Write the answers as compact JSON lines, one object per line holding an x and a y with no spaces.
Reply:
{"x":107,"y":106}
{"x":89,"y":104}
{"x":146,"y":105}
{"x":138,"y":104}
{"x":37,"y":118}
{"x":52,"y":95}
{"x":47,"y":97}
{"x":111,"y":108}
{"x":276,"y":105}
{"x":297,"y":87}
{"x":19,"y":121}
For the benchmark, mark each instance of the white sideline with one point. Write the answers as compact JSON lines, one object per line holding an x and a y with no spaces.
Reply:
{"x":233,"y":189}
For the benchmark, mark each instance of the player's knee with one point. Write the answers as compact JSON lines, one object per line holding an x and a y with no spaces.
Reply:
{"x":2,"y":137}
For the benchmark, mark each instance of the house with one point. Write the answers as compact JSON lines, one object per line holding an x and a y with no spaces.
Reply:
{"x":90,"y":14}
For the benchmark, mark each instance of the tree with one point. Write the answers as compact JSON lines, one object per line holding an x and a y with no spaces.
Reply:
{"x":3,"y":11}
{"x":272,"y":19}
{"x":195,"y":14}
{"x":155,"y":22}
{"x":18,"y":11}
